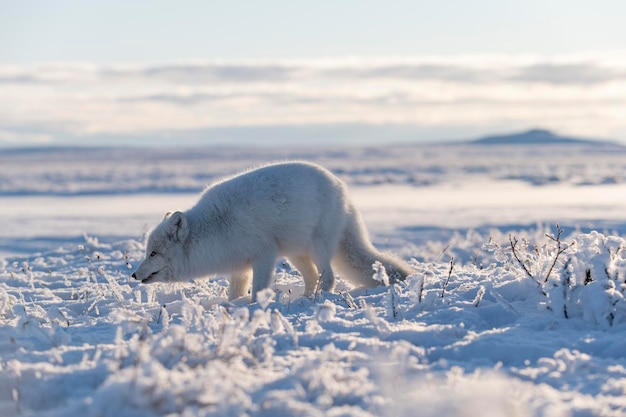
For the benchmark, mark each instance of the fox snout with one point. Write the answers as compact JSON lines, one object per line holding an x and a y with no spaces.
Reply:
{"x":145,"y":272}
{"x":149,"y":278}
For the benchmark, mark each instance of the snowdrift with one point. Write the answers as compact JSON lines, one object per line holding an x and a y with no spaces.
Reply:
{"x":463,"y":335}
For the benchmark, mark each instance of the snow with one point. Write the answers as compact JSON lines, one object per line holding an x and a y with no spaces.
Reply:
{"x":472,"y":332}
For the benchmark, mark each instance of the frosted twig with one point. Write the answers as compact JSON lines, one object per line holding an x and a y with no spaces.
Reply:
{"x":348,"y":299}
{"x":394,"y":302}
{"x":502,"y":301}
{"x":566,"y":276}
{"x":445,"y":284}
{"x":559,"y":249}
{"x":479,"y":296}
{"x":514,"y":242}
{"x":443,"y":252}
{"x":420,"y":291}
{"x":318,"y":287}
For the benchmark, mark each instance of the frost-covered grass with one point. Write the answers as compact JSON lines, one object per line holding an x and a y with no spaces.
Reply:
{"x":499,"y":319}
{"x":457,"y":338}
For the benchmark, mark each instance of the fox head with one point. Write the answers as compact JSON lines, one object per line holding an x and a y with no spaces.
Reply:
{"x":164,"y":251}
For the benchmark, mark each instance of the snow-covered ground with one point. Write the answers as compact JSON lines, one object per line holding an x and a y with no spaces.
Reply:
{"x":472,"y":332}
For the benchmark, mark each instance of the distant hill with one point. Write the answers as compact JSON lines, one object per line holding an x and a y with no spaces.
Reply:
{"x":537,"y":137}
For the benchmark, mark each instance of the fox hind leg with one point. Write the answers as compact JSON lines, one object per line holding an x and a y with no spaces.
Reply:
{"x":307,"y":268}
{"x":326,"y":274}
{"x":239,"y":283}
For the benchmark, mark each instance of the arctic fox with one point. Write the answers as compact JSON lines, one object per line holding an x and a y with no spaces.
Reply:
{"x":242,"y":224}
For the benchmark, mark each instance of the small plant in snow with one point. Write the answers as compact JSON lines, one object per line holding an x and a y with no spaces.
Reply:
{"x":380,"y":274}
{"x":392,"y":299}
{"x":479,"y":296}
{"x":581,"y":278}
{"x":325,"y":311}
{"x":541,"y":260}
{"x":380,"y":324}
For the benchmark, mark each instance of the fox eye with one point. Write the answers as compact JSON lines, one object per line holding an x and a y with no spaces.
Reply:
{"x":153,"y":253}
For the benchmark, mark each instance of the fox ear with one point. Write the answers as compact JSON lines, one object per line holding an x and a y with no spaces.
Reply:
{"x":177,"y":226}
{"x":167,"y":215}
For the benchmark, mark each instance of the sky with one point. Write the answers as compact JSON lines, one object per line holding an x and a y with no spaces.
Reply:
{"x":193,"y":71}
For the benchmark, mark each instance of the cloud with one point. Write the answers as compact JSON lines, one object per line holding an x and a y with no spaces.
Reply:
{"x":562,"y":74}
{"x":223,"y":72}
{"x":408,"y":71}
{"x":182,"y":99}
{"x":47,"y":74}
{"x":20,"y":137}
{"x":207,"y":72}
{"x":273,"y":73}
{"x":471,"y":70}
{"x":19,"y":79}
{"x":83,"y":99}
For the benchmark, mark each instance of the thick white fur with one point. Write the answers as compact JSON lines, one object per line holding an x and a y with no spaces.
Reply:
{"x":241,"y":225}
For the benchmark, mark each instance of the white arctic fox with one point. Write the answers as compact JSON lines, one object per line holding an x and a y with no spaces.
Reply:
{"x":243,"y":224}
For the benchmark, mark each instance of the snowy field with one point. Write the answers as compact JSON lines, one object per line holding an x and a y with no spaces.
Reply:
{"x":505,"y":315}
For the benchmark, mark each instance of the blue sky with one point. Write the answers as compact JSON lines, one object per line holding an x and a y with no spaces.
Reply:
{"x":155,"y":31}
{"x":114,"y":71}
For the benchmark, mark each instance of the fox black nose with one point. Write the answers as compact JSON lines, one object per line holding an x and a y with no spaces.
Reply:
{"x":134,"y":276}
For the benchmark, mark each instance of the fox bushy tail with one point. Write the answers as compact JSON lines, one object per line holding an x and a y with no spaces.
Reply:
{"x":356,"y":255}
